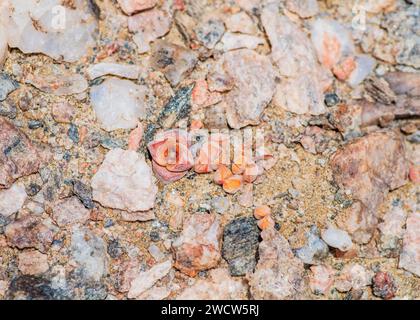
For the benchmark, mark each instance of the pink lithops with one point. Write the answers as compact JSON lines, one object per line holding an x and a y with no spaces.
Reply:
{"x":171,"y":157}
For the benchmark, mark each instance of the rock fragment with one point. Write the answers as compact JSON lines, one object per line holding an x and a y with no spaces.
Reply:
{"x":219,"y":286}
{"x":7,"y":85}
{"x":240,"y":22}
{"x":89,"y":252}
{"x":61,"y":84}
{"x":384,"y":285}
{"x":30,"y":232}
{"x":18,"y":157}
{"x":209,"y":32}
{"x":132,"y":6}
{"x":233,"y":41}
{"x":174,"y":61}
{"x":240,"y":245}
{"x":145,"y":280}
{"x":124,"y":181}
{"x":11,"y":200}
{"x":303,"y":8}
{"x":84,"y":193}
{"x":315,"y":249}
{"x":39,"y":27}
{"x":63,"y":112}
{"x":322,"y":279}
{"x":303,"y":80}
{"x":279,"y":274}
{"x":253,"y":78}
{"x":198,"y":247}
{"x":392,"y":230}
{"x":107,"y":68}
{"x":337,"y":238}
{"x":118,"y":104}
{"x":32,"y":262}
{"x":69,"y":211}
{"x":149,"y":26}
{"x":353,"y":276}
{"x":410,"y":255}
{"x":3,"y":44}
{"x":368,"y":167}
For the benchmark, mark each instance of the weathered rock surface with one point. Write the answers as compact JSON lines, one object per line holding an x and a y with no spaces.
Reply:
{"x":62,"y":83}
{"x":240,"y":245}
{"x":233,"y":41}
{"x":303,"y":80}
{"x":219,"y":286}
{"x":69,"y":211}
{"x":48,"y":27}
{"x":7,"y":85}
{"x":11,"y":200}
{"x":303,"y":8}
{"x":3,"y":44}
{"x":145,"y":280}
{"x":322,"y":279}
{"x":210,"y":31}
{"x":108,"y":68}
{"x":124,"y":181}
{"x":369,"y":167}
{"x":174,"y":61}
{"x":118,"y":104}
{"x":279,"y":274}
{"x":392,"y":230}
{"x":240,"y":22}
{"x":89,"y":252}
{"x":149,"y":26}
{"x":32,"y":262}
{"x":410,"y":255}
{"x":132,"y":6}
{"x":19,"y":157}
{"x":198,"y":247}
{"x":250,"y":77}
{"x":30,"y":232}
{"x":315,"y":249}
{"x":337,"y":238}
{"x":353,"y":276}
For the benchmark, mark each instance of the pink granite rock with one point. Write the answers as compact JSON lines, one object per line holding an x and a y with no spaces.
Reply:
{"x":32,"y":262}
{"x":30,"y":232}
{"x":251,"y":78}
{"x":19,"y":156}
{"x":322,"y":279}
{"x":69,"y":211}
{"x":132,"y":6}
{"x":303,"y":80}
{"x":11,"y":200}
{"x":198,"y":247}
{"x":149,"y":26}
{"x":279,"y":274}
{"x":368,"y":168}
{"x":410,"y":255}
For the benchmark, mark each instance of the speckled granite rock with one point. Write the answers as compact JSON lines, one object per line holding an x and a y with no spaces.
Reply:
{"x":410,"y":255}
{"x":279,"y":274}
{"x":19,"y":157}
{"x":240,"y":245}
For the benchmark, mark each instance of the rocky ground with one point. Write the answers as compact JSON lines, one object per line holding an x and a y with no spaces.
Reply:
{"x":112,"y":188}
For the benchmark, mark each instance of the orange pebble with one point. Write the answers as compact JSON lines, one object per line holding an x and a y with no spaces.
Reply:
{"x":238,"y":168}
{"x":262,"y":211}
{"x":135,"y":137}
{"x":343,"y":70}
{"x":232,"y":184}
{"x":265,"y":223}
{"x":221,"y":174}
